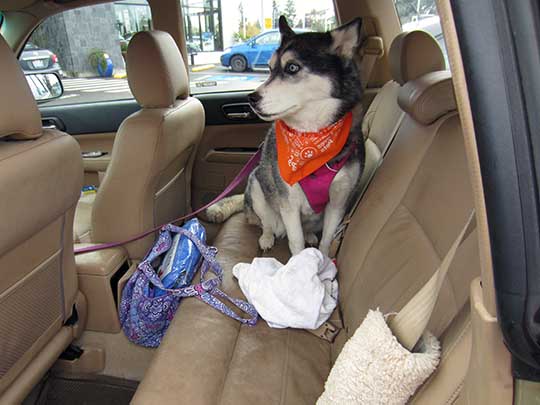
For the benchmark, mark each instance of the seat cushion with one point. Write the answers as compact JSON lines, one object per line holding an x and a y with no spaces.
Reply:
{"x":235,"y":364}
{"x":83,"y":218}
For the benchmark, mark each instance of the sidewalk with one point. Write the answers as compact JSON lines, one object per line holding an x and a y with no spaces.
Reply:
{"x":207,"y":58}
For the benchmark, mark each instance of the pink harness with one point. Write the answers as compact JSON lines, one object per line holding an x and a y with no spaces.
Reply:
{"x":316,"y":186}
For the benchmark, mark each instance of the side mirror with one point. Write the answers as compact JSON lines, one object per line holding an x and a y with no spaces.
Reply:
{"x":45,"y":86}
{"x":253,"y":44}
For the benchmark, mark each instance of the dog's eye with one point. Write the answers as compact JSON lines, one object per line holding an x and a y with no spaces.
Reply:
{"x":292,"y":68}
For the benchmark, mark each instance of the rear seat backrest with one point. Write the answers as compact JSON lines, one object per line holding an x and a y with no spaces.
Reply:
{"x":416,"y":205}
{"x":412,"y":54}
{"x":412,"y":212}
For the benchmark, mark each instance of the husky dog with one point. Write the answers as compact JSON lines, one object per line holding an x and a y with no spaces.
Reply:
{"x":314,"y":81}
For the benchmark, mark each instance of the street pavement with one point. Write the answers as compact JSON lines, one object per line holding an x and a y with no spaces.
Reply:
{"x":218,"y":79}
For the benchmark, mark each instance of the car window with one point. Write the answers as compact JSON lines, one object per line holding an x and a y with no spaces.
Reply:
{"x":219,"y":35}
{"x":86,"y":48}
{"x":421,"y":15}
{"x":269,"y":39}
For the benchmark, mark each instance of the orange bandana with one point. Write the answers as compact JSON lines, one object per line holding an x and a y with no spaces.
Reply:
{"x":301,"y":153}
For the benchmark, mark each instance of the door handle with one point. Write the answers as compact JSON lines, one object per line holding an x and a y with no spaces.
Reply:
{"x":238,"y":112}
{"x":239,"y":115}
{"x":93,"y":154}
{"x":52,"y":123}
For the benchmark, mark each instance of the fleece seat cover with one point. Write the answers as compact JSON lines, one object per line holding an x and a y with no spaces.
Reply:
{"x":373,"y":368}
{"x":300,"y":294}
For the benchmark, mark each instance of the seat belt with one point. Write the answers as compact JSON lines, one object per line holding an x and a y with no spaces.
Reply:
{"x":411,"y":322}
{"x":371,"y":50}
{"x":338,"y":237}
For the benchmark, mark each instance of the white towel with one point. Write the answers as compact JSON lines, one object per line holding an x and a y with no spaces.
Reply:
{"x":300,"y":294}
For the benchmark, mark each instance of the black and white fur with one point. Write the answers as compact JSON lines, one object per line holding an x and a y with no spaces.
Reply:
{"x":313,"y":82}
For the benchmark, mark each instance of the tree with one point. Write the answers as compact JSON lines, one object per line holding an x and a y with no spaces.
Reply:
{"x":315,"y":20}
{"x":252,"y":29}
{"x":290,"y":12}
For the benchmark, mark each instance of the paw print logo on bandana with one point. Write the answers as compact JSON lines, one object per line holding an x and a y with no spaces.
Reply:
{"x":308,"y":153}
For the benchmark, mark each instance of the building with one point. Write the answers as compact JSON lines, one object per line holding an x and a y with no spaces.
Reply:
{"x":74,"y":34}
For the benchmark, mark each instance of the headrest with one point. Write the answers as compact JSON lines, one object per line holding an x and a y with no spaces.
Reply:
{"x":429,"y":97}
{"x":155,"y":69}
{"x":19,"y":115}
{"x":413,"y":54}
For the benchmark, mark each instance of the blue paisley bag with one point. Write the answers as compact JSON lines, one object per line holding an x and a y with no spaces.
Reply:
{"x":145,"y":317}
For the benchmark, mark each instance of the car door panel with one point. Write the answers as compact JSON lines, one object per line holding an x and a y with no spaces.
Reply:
{"x":233,"y":133}
{"x":91,"y":118}
{"x":227,"y":144}
{"x":95,"y":167}
{"x":94,"y":126}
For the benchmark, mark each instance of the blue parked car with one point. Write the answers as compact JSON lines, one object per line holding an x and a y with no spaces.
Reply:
{"x":254,"y":53}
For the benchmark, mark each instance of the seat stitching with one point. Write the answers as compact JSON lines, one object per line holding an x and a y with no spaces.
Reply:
{"x":422,"y":229}
{"x":444,"y":357}
{"x":453,"y":398}
{"x":466,"y":327}
{"x":229,"y":365}
{"x":57,"y":136}
{"x":396,"y":274}
{"x":284,"y":373}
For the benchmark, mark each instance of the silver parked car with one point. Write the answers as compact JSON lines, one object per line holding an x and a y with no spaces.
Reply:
{"x":34,"y":59}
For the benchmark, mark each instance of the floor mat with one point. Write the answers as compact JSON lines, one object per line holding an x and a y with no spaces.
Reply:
{"x":86,"y":391}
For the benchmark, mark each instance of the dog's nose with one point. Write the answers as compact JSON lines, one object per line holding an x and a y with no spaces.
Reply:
{"x":254,"y":97}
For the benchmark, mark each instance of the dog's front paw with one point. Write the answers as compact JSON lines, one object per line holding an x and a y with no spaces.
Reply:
{"x":324,"y":248}
{"x":266,"y":241}
{"x":215,"y":214}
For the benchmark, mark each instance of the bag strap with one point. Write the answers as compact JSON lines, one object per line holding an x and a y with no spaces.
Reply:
{"x":411,"y":322}
{"x":207,"y":290}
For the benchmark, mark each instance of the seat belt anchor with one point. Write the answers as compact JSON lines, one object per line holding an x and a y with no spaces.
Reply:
{"x":329,"y":331}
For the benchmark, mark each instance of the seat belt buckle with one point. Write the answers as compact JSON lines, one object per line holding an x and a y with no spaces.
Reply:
{"x":329,"y":331}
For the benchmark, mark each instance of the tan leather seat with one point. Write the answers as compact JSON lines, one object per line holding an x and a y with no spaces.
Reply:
{"x":411,"y":213}
{"x":148,"y":180}
{"x":412,"y":54}
{"x":41,"y":176}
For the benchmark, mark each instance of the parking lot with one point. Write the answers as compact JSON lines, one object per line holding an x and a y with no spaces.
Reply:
{"x":217,"y":79}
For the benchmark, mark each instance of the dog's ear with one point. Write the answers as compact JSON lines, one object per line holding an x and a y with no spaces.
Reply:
{"x":347,"y":38}
{"x":284,"y":28}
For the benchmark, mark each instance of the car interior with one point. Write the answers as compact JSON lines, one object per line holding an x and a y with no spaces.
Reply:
{"x":167,"y":151}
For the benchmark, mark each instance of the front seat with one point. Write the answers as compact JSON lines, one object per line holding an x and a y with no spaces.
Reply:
{"x":148,"y":179}
{"x":41,"y":175}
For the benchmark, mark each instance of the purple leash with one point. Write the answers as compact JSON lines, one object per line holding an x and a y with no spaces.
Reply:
{"x":246,"y":170}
